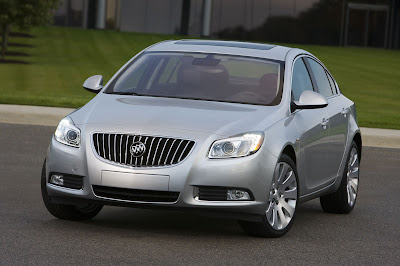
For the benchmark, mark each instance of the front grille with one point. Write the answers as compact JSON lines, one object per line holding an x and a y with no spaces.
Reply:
{"x":135,"y":194}
{"x":213,"y":193}
{"x":160,"y":151}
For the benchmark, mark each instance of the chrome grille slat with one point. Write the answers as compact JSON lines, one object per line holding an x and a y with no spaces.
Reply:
{"x":148,"y":155}
{"x":145,"y":142}
{"x":133,"y":140}
{"x":166,"y":158}
{"x":104,"y":146}
{"x":176,"y":150}
{"x":120,"y":148}
{"x":183,"y":152}
{"x":155,"y":153}
{"x":115,"y":147}
{"x":162,"y":152}
{"x":136,"y":158}
{"x":126,"y":148}
{"x":98,"y":145}
{"x":109,"y":147}
{"x":159,"y":152}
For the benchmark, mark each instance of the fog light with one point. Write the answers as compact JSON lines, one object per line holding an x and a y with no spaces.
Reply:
{"x":57,"y":179}
{"x":236,"y":194}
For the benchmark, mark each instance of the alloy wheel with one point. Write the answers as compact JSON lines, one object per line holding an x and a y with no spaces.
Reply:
{"x":282,"y":197}
{"x":352,"y":177}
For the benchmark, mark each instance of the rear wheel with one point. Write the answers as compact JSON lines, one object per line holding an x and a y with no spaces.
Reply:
{"x":282,"y":203}
{"x":67,"y":212}
{"x":344,"y":199}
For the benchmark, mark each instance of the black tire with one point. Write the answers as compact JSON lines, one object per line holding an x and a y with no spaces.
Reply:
{"x":67,"y":212}
{"x":337,"y":202}
{"x":263,"y":228}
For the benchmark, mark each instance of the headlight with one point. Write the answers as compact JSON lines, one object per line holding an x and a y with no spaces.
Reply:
{"x":67,"y":133}
{"x":237,"y":146}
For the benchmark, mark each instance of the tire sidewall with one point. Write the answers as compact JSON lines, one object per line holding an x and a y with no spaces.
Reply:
{"x":61,"y":211}
{"x":278,"y":233}
{"x":343,"y":184}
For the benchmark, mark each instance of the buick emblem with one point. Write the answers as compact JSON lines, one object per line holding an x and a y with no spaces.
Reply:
{"x":137,"y":149}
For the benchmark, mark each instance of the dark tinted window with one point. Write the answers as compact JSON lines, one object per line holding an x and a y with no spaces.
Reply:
{"x":320,"y":77}
{"x":332,"y":82}
{"x":226,"y":78}
{"x":132,"y":81}
{"x":169,"y":74}
{"x":301,"y":80}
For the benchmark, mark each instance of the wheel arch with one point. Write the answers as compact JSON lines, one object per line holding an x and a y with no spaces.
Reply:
{"x":289,"y":151}
{"x":357,"y":139}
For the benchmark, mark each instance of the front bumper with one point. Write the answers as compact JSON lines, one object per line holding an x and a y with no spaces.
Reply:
{"x":253,"y":173}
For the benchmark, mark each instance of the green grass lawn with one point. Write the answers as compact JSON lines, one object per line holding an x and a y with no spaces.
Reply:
{"x":62,"y":58}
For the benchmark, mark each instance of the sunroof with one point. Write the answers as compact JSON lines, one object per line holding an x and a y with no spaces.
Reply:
{"x":246,"y":45}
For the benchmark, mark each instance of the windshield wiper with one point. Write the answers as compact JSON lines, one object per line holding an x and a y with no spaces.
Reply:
{"x":125,"y":93}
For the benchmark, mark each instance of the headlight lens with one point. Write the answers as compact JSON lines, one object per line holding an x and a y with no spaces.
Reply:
{"x":67,"y":133}
{"x":237,"y":146}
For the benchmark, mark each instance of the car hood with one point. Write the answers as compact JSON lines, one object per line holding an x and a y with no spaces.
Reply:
{"x":142,"y":114}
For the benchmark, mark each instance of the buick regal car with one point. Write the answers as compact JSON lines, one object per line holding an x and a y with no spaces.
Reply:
{"x":241,"y":130}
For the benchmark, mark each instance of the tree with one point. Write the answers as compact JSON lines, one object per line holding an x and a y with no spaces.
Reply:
{"x":23,"y":14}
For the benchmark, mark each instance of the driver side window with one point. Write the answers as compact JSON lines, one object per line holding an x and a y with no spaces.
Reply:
{"x":301,"y":80}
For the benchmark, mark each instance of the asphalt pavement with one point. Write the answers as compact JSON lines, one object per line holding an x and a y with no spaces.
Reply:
{"x":370,"y":235}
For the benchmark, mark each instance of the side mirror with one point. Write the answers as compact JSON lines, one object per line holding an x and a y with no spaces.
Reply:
{"x":94,"y":84}
{"x":309,"y":100}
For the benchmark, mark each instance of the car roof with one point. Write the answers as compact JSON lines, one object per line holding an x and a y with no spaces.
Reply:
{"x":269,"y":51}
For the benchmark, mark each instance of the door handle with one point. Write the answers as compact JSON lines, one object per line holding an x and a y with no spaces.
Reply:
{"x":345,"y":111}
{"x":324,"y":123}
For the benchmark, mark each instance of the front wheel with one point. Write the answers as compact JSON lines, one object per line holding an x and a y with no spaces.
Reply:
{"x":282,"y":203}
{"x":67,"y":212}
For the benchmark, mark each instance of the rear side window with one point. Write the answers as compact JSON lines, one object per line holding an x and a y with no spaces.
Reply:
{"x":301,"y":80}
{"x":320,"y":78}
{"x":332,"y":82}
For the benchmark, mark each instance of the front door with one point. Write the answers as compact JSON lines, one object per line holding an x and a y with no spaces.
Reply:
{"x":313,"y":129}
{"x":314,"y":142}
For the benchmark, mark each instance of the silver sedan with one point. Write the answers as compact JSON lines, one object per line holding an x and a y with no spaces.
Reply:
{"x":233,"y":129}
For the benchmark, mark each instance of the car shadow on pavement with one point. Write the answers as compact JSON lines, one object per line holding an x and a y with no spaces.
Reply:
{"x":130,"y":222}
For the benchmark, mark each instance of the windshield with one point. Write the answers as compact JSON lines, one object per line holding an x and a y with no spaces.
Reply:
{"x":202,"y":76}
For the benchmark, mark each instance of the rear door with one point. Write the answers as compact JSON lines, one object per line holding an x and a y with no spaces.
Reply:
{"x":337,"y":115}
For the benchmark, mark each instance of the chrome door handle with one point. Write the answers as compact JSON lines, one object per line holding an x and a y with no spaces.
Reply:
{"x":324,"y":123}
{"x":345,"y":111}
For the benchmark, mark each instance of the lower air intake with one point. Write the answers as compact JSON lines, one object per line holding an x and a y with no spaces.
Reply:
{"x":135,"y":194}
